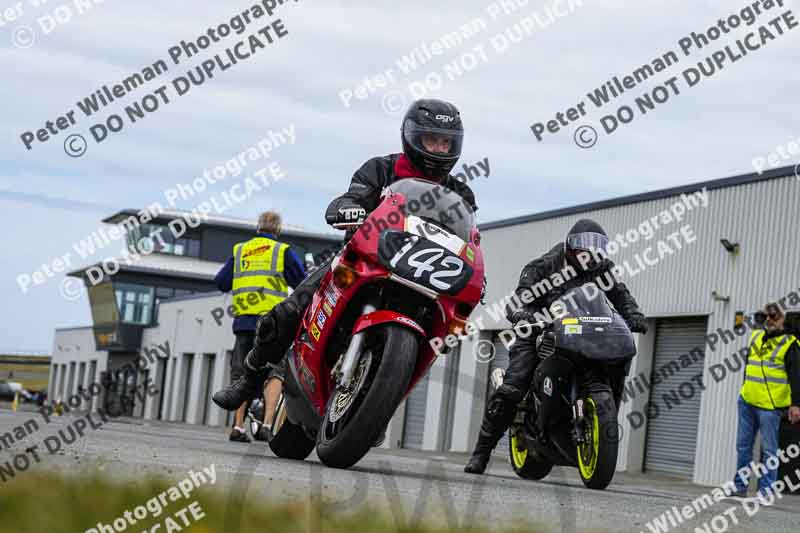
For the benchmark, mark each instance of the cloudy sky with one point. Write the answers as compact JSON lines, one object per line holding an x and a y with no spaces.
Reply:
{"x":49,"y":200}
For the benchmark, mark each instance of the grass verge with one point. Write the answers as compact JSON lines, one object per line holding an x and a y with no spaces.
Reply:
{"x":77,"y":503}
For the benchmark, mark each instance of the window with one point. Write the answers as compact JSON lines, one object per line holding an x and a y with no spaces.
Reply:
{"x":150,"y":238}
{"x":162,"y":293}
{"x":135,"y":303}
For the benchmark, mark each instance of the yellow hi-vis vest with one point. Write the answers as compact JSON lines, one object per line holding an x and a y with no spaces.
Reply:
{"x":258,"y":281}
{"x":766,"y":383}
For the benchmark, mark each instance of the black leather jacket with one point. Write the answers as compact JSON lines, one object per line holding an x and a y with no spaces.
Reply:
{"x":369,"y":180}
{"x":554,"y":261}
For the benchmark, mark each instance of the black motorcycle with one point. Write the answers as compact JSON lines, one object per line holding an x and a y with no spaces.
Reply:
{"x":568,"y":416}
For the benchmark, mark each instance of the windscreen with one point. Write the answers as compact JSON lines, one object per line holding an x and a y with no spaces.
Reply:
{"x":587,"y":323}
{"x":436,"y":203}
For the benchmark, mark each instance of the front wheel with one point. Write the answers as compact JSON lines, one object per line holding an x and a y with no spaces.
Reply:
{"x":526,"y":464}
{"x":354,"y":420}
{"x":597,"y":456}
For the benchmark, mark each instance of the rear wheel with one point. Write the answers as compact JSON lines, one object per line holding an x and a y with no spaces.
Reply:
{"x":597,"y":456}
{"x":291,"y":442}
{"x":288,"y":440}
{"x":526,"y":464}
{"x":353,"y":421}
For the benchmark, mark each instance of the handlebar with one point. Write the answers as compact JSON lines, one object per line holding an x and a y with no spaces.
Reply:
{"x":346,"y":225}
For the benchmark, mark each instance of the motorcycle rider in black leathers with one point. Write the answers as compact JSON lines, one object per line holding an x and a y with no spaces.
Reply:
{"x":432,"y":135}
{"x":584,"y":250}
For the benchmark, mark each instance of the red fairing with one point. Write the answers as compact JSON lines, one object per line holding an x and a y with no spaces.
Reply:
{"x":382,"y":317}
{"x":329,"y":302}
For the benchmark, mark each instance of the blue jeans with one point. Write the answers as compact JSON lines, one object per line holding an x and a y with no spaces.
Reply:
{"x":751,"y":421}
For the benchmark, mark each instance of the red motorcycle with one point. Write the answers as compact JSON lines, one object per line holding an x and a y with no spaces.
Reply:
{"x":412,"y":272}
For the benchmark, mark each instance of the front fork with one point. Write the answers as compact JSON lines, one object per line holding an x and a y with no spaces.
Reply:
{"x":343,"y":375}
{"x":578,"y":418}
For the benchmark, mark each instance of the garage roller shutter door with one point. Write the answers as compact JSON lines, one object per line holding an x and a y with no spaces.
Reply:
{"x":672,"y":435}
{"x":500,"y":360}
{"x":416,"y":403}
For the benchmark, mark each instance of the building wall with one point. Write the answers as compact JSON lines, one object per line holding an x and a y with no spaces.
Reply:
{"x":188,"y":328}
{"x":760,"y":216}
{"x":73,"y":349}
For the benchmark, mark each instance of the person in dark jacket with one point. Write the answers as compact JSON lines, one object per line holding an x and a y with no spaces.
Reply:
{"x":258,"y":273}
{"x":579,"y":259}
{"x":432,"y":135}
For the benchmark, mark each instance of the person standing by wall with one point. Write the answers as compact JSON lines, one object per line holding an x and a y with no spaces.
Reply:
{"x":259,"y":275}
{"x":771,"y":388}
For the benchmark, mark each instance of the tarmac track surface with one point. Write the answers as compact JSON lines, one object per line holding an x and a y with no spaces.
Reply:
{"x":407,"y":485}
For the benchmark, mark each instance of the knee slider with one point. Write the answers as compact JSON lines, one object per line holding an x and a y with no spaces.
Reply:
{"x":503,"y":403}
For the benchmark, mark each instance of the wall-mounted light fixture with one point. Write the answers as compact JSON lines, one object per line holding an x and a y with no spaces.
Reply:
{"x":717,"y":297}
{"x":731,"y":247}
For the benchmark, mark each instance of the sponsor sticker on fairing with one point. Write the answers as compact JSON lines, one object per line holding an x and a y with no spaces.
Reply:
{"x":315,"y":331}
{"x":434,"y":233}
{"x":321,"y":318}
{"x":595,"y":319}
{"x":470,"y":255}
{"x":331,"y":296}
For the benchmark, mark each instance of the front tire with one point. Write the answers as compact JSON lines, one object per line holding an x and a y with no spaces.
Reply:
{"x":343,"y":442}
{"x":597,"y":457}
{"x":526,"y":464}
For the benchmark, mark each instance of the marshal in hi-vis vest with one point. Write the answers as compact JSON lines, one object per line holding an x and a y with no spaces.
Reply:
{"x":766,"y":383}
{"x":258,"y":281}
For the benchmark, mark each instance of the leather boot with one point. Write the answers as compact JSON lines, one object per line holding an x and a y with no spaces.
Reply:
{"x":244,"y":389}
{"x":483,"y":452}
{"x":274,"y":335}
{"x":498,"y":416}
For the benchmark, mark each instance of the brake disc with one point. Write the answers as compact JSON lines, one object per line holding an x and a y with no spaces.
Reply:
{"x":343,"y":400}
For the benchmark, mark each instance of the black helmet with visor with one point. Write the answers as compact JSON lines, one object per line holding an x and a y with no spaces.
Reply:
{"x":432,"y":137}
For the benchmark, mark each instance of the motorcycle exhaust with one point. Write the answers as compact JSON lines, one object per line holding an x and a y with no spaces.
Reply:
{"x":280,"y":416}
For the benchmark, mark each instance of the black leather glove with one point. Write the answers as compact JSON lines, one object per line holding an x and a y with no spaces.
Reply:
{"x":523,"y":316}
{"x":345,"y":214}
{"x":637,"y":323}
{"x":555,"y":293}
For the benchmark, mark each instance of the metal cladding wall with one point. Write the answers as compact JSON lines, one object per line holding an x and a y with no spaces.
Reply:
{"x":760,"y":215}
